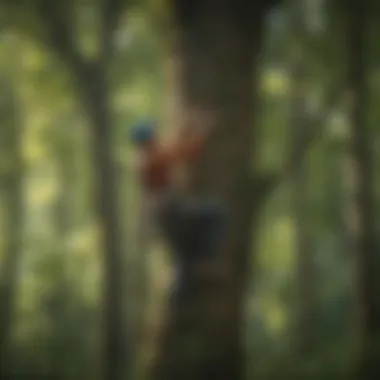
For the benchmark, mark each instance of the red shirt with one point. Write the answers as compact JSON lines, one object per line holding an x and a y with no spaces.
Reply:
{"x":160,"y":161}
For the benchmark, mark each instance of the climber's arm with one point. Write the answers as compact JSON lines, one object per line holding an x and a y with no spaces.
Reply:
{"x":190,"y":141}
{"x":191,"y":137}
{"x":187,"y":147}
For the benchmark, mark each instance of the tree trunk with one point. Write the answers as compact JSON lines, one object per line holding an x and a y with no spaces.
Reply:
{"x":91,"y":79}
{"x":65,"y":163}
{"x":217,"y":50}
{"x":58,"y":305}
{"x":95,"y":96}
{"x":13,"y":205}
{"x":361,"y":208}
{"x":299,"y":124}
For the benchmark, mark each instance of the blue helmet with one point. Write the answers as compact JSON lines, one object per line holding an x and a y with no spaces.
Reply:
{"x":142,"y":131}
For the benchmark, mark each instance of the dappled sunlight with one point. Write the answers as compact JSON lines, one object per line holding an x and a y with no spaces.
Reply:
{"x":275,"y":82}
{"x":42,"y":189}
{"x":35,"y":146}
{"x":277,"y":245}
{"x":273,"y":314}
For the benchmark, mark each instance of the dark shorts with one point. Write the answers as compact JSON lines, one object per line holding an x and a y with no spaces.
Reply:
{"x":193,"y":228}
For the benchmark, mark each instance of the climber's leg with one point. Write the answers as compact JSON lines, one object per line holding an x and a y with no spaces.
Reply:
{"x":208,"y":227}
{"x":194,"y":231}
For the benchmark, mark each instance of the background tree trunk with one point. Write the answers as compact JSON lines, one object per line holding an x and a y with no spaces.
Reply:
{"x":58,"y":303}
{"x":299,"y":125}
{"x":361,"y":207}
{"x":96,"y":101}
{"x":11,"y":183}
{"x":91,"y":77}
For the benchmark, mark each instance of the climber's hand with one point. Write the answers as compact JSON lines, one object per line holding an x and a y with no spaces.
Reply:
{"x":198,"y":124}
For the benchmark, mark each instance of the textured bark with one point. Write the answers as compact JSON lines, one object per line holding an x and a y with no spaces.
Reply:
{"x":361,"y":208}
{"x":217,"y":49}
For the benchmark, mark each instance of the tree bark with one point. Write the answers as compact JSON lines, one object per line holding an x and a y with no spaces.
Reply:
{"x":361,"y":207}
{"x":217,"y":50}
{"x":12,"y":180}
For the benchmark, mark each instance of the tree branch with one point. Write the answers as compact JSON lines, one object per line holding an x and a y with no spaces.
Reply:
{"x":55,"y":18}
{"x":265,"y":185}
{"x":112,"y":11}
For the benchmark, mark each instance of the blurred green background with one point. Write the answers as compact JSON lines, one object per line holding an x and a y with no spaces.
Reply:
{"x":58,"y":222}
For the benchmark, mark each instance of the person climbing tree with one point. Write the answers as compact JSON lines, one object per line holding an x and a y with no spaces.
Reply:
{"x":192,"y":228}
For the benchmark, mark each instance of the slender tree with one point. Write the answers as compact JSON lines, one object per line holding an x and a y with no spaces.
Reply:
{"x":361,"y":205}
{"x":11,"y":179}
{"x":299,"y":123}
{"x":53,"y":24}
